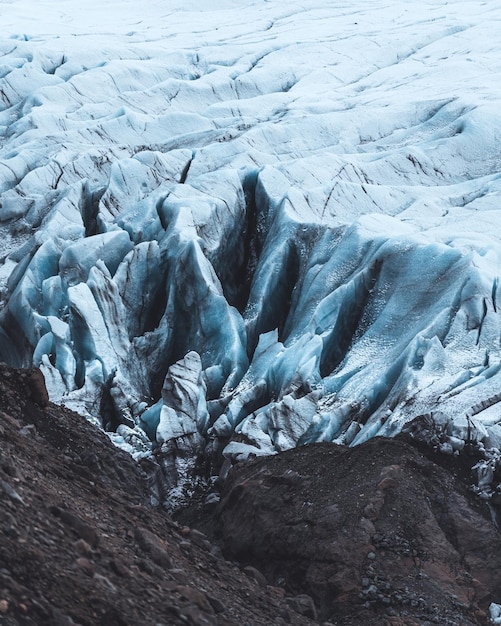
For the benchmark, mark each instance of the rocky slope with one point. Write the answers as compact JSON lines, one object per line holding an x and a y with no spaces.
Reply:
{"x":80,"y":543}
{"x":383,"y":534}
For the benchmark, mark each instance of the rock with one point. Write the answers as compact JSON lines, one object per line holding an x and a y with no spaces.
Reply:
{"x":10,"y":491}
{"x":419,"y":508}
{"x":84,"y":530}
{"x":83,"y":548}
{"x":10,"y":420}
{"x":180,"y":576}
{"x":38,"y":390}
{"x":153,"y":546}
{"x":185,"y":546}
{"x":119,"y":567}
{"x":105,"y":582}
{"x":216,"y":604}
{"x":150,"y":568}
{"x":4,"y":606}
{"x":304,"y":605}
{"x":374,"y":506}
{"x":196,"y":616}
{"x":195,"y":596}
{"x":28,"y":431}
{"x":255,"y":575}
{"x":59,"y":618}
{"x":200,"y":539}
{"x":86,"y":566}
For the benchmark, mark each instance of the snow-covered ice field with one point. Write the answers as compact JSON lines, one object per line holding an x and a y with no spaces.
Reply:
{"x":293,"y":205}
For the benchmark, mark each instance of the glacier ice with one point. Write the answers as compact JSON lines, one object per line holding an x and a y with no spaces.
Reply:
{"x":495,"y":613}
{"x":249,"y":226}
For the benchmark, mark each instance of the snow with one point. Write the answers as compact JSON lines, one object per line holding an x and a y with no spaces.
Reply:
{"x":495,"y":613}
{"x":304,"y":195}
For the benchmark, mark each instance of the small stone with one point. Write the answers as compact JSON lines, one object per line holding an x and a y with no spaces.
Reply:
{"x":284,"y":615}
{"x":81,"y":528}
{"x":83,"y":548}
{"x":256,"y":575}
{"x":216,"y":604}
{"x":4,"y":606}
{"x":86,"y":566}
{"x":194,"y":615}
{"x":28,"y":431}
{"x":38,"y":389}
{"x":185,"y":546}
{"x":197,"y":535}
{"x":9,"y":468}
{"x":105,"y":582}
{"x":12,"y":421}
{"x":212,"y":499}
{"x":119,"y":568}
{"x":153,"y":545}
{"x":371,"y":556}
{"x":304,"y":605}
{"x":10,"y":491}
{"x":387,"y":483}
{"x":180,"y":575}
{"x":151,"y":569}
{"x":200,"y":540}
{"x":195,"y":596}
{"x":60,"y":619}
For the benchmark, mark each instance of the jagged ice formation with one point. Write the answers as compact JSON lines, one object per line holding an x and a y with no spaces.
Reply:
{"x":258,"y":224}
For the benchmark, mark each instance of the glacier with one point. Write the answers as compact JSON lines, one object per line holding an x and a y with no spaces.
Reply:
{"x":251,"y":225}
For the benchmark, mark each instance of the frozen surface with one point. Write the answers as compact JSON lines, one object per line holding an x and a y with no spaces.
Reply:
{"x":256,"y":224}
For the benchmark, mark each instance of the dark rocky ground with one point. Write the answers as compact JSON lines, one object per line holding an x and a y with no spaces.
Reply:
{"x":377,"y":534}
{"x":382,"y":534}
{"x":80,"y":544}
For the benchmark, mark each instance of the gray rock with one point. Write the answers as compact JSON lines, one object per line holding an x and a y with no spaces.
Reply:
{"x":81,"y":528}
{"x":153,"y":546}
{"x":86,"y":566}
{"x":304,"y":605}
{"x":200,"y":539}
{"x":180,"y":576}
{"x":195,"y":596}
{"x":28,"y":431}
{"x":216,"y":604}
{"x":255,"y":575}
{"x":10,"y":491}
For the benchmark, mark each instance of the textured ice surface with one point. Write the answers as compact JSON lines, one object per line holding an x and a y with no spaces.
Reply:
{"x":298,"y":203}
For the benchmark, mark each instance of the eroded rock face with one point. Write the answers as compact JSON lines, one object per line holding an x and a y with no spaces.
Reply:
{"x":375,"y":533}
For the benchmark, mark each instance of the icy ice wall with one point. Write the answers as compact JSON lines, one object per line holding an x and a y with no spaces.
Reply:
{"x":256,"y":224}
